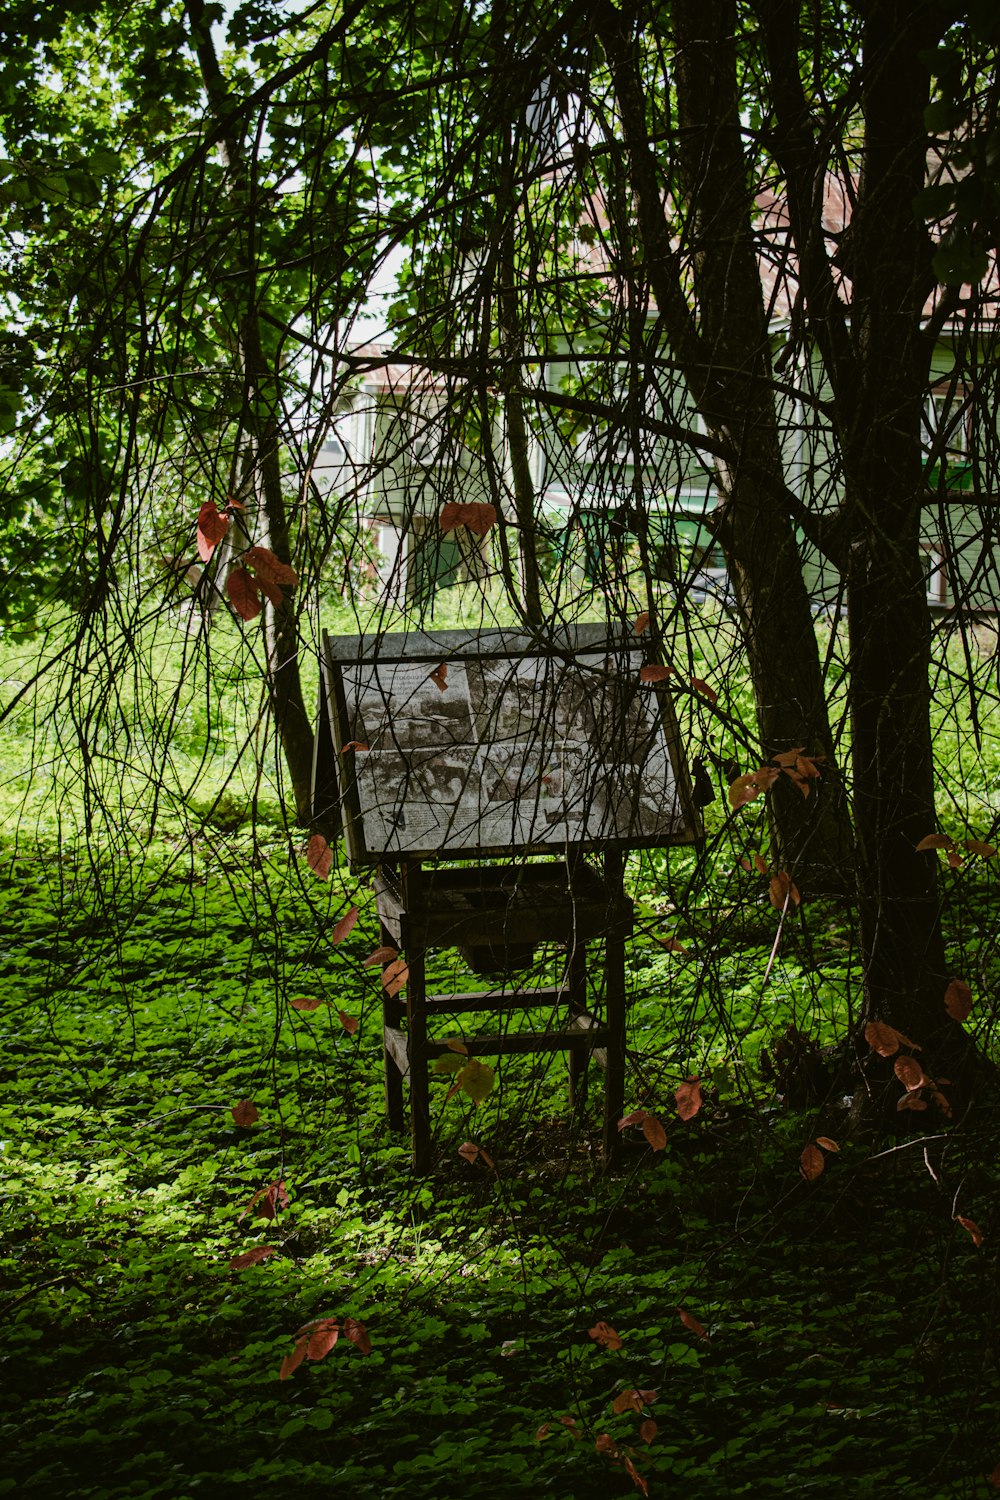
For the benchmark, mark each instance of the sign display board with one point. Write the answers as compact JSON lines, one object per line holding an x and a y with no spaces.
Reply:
{"x":481,"y":743}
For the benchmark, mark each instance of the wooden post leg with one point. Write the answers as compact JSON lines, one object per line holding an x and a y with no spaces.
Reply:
{"x":614,"y":1088}
{"x":576,"y":986}
{"x":416,"y":1047}
{"x":392,"y":1014}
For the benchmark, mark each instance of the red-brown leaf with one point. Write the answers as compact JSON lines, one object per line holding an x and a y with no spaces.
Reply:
{"x":826,"y":1143}
{"x":606,"y":1444}
{"x":652,"y":1129}
{"x":380,"y":956}
{"x":955,"y":860}
{"x":270,"y":569}
{"x":211,"y":528}
{"x":268,"y":1200}
{"x":958,"y":1000}
{"x":472,"y":1153}
{"x":811,"y":1162}
{"x":688,"y":1098}
{"x":882,"y":1038}
{"x":251,"y":1257}
{"x":602,"y":1333}
{"x":995,"y":1478}
{"x":690,"y":1321}
{"x":648,"y":1430}
{"x":358,"y":745}
{"x":654,"y":673}
{"x":319,"y":856}
{"x":346,"y":924}
{"x":783,"y":891}
{"x":394,"y":977}
{"x":935,"y":841}
{"x":704,"y":689}
{"x":672,"y":946}
{"x":305,"y":1002}
{"x":976,"y":846}
{"x":745,"y":788}
{"x":320,"y":1337}
{"x":971,"y":1227}
{"x":292,"y":1361}
{"x":245,"y":1113}
{"x":910,"y":1074}
{"x":356,"y":1331}
{"x":439,"y":677}
{"x":629,"y":1400}
{"x":349,"y":1023}
{"x":942,"y":1103}
{"x":910,"y":1101}
{"x":244,"y":594}
{"x":635,"y":1476}
{"x":478,"y":516}
{"x":641,"y":622}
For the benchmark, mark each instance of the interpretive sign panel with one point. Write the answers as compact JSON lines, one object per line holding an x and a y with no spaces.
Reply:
{"x":467,"y":744}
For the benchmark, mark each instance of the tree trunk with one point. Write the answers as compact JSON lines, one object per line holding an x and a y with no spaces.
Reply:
{"x":722,"y":347}
{"x":280,"y":622}
{"x":889,"y":618}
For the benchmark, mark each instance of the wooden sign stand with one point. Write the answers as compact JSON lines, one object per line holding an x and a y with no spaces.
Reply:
{"x":497,"y":914}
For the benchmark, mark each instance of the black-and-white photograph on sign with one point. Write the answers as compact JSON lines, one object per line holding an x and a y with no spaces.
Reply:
{"x":468,"y":755}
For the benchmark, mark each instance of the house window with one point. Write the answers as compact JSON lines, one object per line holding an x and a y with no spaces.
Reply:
{"x":946,"y":425}
{"x":935,"y":574}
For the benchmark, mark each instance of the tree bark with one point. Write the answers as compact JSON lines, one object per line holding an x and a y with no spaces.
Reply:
{"x":722,"y":346}
{"x":280,"y":622}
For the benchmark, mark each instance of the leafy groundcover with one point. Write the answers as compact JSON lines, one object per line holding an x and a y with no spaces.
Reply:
{"x":200,"y":1197}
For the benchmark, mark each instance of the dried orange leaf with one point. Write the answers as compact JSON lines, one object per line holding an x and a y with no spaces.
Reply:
{"x":955,"y":860}
{"x":688,"y":1098}
{"x":269,"y":569}
{"x":958,"y":1000}
{"x":910,"y":1074}
{"x":473,"y":1153}
{"x":629,"y":1400}
{"x":634,"y":1475}
{"x":811,"y":1162}
{"x":245,"y":1113}
{"x":356,"y":1331}
{"x":641,"y":622}
{"x":383,"y":955}
{"x":244,"y":595}
{"x":319,"y":856}
{"x":648,"y":1430}
{"x":935,"y":841}
{"x":690,"y":1321}
{"x":606,"y":1444}
{"x":394,"y":977}
{"x":976,"y":846}
{"x":783,"y":891}
{"x":652,"y":1129}
{"x":704,"y":689}
{"x":672,"y":946}
{"x":942,"y":1103}
{"x":971,"y":1227}
{"x":356,"y":745}
{"x":305,"y":1002}
{"x":439,"y":677}
{"x":602,"y":1333}
{"x":344,"y":926}
{"x":827,"y":1143}
{"x":882,"y":1038}
{"x":211,"y":528}
{"x":910,"y":1101}
{"x":478,"y":516}
{"x":654,"y":673}
{"x":745,"y":788}
{"x":292,"y":1361}
{"x":251,"y":1257}
{"x":349,"y":1023}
